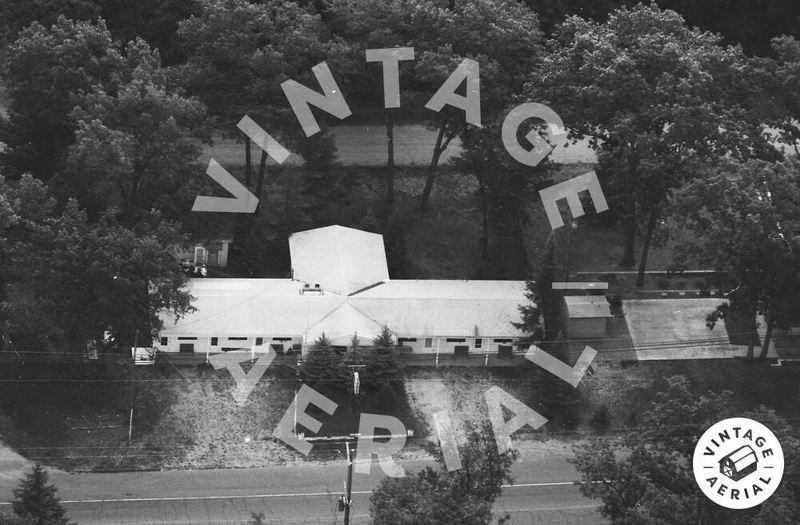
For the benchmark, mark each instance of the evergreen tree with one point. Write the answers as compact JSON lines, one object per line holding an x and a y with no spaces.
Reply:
{"x":35,"y":500}
{"x":324,"y":369}
{"x":385,"y":339}
{"x":532,"y":322}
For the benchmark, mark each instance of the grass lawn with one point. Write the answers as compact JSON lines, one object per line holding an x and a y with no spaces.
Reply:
{"x":77,"y":419}
{"x":626,"y":390}
{"x":442,"y":242}
{"x":3,"y":102}
{"x":623,"y":392}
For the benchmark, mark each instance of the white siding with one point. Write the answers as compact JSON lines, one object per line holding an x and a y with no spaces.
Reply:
{"x":204,"y":344}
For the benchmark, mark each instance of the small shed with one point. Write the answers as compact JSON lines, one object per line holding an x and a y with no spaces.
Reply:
{"x":586,"y":316}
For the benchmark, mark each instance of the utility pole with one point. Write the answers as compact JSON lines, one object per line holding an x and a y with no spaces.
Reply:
{"x":133,"y":385}
{"x":349,"y":486}
{"x":346,"y":500}
{"x":572,"y":226}
{"x":345,"y":503}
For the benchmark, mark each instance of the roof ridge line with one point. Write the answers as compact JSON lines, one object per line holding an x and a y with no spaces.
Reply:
{"x":366,"y":288}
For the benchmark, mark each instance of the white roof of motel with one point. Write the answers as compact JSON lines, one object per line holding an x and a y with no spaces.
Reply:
{"x":587,"y":306}
{"x":341,"y":260}
{"x":446,"y":289}
{"x":264,"y":307}
{"x":358,"y":298}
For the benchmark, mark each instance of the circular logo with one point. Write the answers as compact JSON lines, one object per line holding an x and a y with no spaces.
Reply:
{"x":738,"y":463}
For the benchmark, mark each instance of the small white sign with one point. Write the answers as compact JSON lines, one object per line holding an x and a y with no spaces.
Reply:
{"x":143,"y":356}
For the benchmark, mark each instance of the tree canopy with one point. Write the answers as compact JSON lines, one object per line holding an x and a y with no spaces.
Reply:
{"x":435,"y":496}
{"x":68,"y":280}
{"x":743,"y":220}
{"x":35,"y":501}
{"x":239,"y":53}
{"x":646,"y":477}
{"x":655,"y":97}
{"x":46,"y":71}
{"x":136,"y":149}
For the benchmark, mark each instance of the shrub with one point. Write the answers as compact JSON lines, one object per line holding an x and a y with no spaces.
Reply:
{"x":601,"y":419}
{"x":324,"y":369}
{"x":383,"y":379}
{"x":257,"y":519}
{"x":615,"y":303}
{"x":633,"y":419}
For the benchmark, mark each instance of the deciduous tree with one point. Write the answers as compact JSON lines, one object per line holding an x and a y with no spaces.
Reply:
{"x":743,"y":220}
{"x":506,"y":189}
{"x":502,"y":37}
{"x":67,"y":280}
{"x":239,"y":53}
{"x":435,"y":496}
{"x":653,"y":96}
{"x":366,"y":24}
{"x":46,"y":73}
{"x":646,"y":477}
{"x":135,"y":149}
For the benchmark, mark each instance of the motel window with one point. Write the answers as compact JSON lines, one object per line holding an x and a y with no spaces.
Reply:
{"x":478,"y":343}
{"x":237,"y":339}
{"x":282,"y":339}
{"x":401,"y":340}
{"x":259,"y":341}
{"x":214,"y":341}
{"x":503,"y":341}
{"x":454,"y":340}
{"x":187,"y":339}
{"x":428,"y":342}
{"x":164,"y":341}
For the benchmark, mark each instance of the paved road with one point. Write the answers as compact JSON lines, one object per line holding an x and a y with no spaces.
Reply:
{"x":300,"y":493}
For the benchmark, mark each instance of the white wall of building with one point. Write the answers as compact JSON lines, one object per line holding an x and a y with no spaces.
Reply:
{"x":214,"y":345}
{"x":418,"y":345}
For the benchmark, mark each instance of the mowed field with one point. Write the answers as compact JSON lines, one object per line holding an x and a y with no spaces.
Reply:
{"x":365,"y":145}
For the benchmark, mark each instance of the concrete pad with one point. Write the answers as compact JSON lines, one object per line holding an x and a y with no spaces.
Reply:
{"x":676,"y":329}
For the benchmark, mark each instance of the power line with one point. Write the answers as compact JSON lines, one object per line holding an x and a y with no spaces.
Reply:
{"x":544,"y":344}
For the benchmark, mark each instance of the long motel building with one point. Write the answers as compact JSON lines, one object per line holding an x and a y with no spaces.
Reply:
{"x":340,"y":287}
